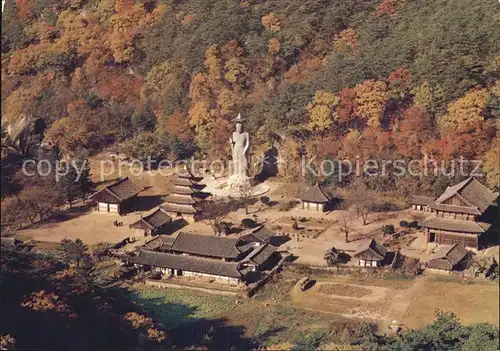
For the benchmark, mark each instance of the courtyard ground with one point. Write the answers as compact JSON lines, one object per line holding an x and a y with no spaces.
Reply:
{"x":91,"y":227}
{"x":318,"y":233}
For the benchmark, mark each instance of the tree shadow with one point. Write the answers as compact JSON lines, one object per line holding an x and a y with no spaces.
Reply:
{"x":62,"y":216}
{"x":186,"y":331}
{"x":389,"y":257}
{"x":269,"y":165}
{"x":272,"y":332}
{"x":214,"y":334}
{"x":279,"y":240}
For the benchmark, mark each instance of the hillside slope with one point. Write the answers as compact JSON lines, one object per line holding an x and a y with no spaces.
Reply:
{"x":376,"y":79}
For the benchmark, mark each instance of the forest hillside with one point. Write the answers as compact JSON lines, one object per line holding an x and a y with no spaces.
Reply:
{"x":379,"y":79}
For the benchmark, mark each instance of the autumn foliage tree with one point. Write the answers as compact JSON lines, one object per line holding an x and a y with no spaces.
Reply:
{"x":321,"y":111}
{"x":177,"y":124}
{"x":101,"y":73}
{"x":465,"y":112}
{"x":491,"y":165}
{"x":371,"y":96}
{"x":415,"y":129}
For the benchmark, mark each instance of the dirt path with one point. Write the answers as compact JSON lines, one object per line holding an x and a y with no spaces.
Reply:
{"x":401,"y":301}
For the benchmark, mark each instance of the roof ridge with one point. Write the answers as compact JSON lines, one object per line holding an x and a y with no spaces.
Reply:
{"x":112,"y":192}
{"x":321,"y":189}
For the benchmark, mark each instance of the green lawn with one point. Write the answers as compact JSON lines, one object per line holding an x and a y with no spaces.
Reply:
{"x":174,"y":308}
{"x":270,"y":323}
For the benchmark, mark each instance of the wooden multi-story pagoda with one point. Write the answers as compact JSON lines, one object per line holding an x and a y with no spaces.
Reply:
{"x":185,"y":197}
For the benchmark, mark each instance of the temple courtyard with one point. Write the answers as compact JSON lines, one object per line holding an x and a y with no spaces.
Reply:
{"x":333,"y":298}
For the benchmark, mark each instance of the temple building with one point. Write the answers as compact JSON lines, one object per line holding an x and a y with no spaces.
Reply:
{"x":422,"y":203}
{"x":119,"y":197}
{"x":450,"y":258}
{"x":185,"y":197}
{"x":260,"y":233}
{"x":316,"y":199}
{"x":225,"y":260}
{"x":153,"y":224}
{"x":371,"y":254}
{"x":462,"y":215}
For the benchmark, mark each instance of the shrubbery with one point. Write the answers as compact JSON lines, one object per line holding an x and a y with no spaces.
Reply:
{"x":248,"y":223}
{"x":388,"y":229}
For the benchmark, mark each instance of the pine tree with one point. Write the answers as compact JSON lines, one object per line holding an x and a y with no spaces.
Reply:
{"x":85,"y":184}
{"x":67,"y":185}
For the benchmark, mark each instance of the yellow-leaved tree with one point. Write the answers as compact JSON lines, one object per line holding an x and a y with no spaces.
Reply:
{"x":161,"y":82}
{"x":491,"y":165}
{"x":199,"y":114}
{"x":345,"y":40}
{"x":199,"y":87}
{"x":213,"y":64}
{"x":321,"y":111}
{"x":371,"y":96}
{"x":273,"y":46}
{"x":464,"y":112}
{"x":271,"y":22}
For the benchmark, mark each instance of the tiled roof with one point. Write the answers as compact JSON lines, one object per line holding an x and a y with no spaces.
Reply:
{"x":371,"y":250}
{"x":160,"y":243}
{"x":316,"y":194}
{"x":473,"y":192}
{"x":448,"y":257}
{"x":153,"y":221}
{"x":455,"y":225}
{"x":422,"y":200}
{"x":177,"y":208}
{"x":207,"y":245}
{"x":333,"y":252}
{"x":125,"y":189}
{"x":261,"y":254}
{"x":187,"y":263}
{"x":184,"y":190}
{"x":181,"y":199}
{"x":184,"y":181}
{"x":261,"y":232}
{"x":457,"y":209}
{"x":121,"y":190}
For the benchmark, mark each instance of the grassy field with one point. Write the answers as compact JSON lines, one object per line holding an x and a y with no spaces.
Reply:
{"x":249,"y":319}
{"x":473,"y":303}
{"x":174,"y":308}
{"x":281,"y":313}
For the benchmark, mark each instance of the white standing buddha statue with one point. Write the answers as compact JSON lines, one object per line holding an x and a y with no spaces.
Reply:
{"x":240,"y":141}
